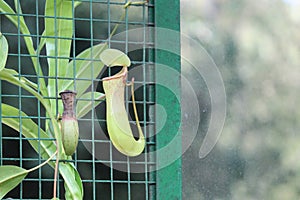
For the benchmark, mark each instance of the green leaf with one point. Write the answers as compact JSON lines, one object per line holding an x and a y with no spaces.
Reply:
{"x":22,"y":79}
{"x":9,"y":76}
{"x":10,"y":177}
{"x":87,"y":102}
{"x":59,"y":26}
{"x":30,"y":130}
{"x":42,"y":43}
{"x":73,"y":183}
{"x":114,"y":57}
{"x":3,"y":51}
{"x":87,"y":67}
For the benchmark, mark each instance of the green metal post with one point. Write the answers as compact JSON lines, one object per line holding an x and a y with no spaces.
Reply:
{"x":167,"y":16}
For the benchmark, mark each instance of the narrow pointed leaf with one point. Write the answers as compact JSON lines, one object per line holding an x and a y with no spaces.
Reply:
{"x":19,"y":22}
{"x":9,"y":76}
{"x":73,"y":183}
{"x":58,"y":24}
{"x":10,"y":177}
{"x":45,"y":147}
{"x":114,"y":57}
{"x":42,"y":43}
{"x":22,"y":79}
{"x":93,"y":99}
{"x":87,"y":67}
{"x":3,"y":51}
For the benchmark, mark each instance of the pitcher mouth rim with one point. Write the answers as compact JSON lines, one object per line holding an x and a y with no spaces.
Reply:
{"x":68,"y":91}
{"x":121,"y":73}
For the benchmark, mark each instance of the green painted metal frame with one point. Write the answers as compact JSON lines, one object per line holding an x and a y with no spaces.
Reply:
{"x":167,"y":16}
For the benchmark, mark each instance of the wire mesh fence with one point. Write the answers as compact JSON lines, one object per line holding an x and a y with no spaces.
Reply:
{"x":105,"y":173}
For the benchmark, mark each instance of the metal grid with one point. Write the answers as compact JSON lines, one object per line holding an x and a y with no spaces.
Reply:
{"x":108,"y":174}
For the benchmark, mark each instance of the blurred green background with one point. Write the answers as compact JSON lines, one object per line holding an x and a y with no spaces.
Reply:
{"x":256,"y":46}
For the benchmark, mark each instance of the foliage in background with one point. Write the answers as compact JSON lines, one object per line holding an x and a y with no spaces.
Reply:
{"x":256,"y":46}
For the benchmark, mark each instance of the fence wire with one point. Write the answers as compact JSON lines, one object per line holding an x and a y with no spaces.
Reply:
{"x":106,"y":174}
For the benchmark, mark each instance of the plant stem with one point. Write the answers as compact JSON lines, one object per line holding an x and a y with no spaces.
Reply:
{"x":134,"y":106}
{"x":117,"y":25}
{"x":55,"y":174}
{"x":42,"y":164}
{"x":126,"y":6}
